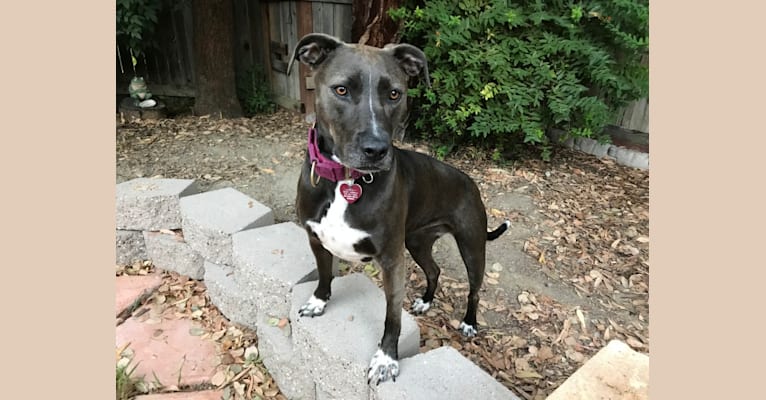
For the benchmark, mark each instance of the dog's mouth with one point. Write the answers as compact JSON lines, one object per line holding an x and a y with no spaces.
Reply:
{"x":367,"y":167}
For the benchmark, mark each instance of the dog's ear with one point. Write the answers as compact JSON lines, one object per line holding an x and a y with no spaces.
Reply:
{"x":411,"y":59}
{"x":313,"y":49}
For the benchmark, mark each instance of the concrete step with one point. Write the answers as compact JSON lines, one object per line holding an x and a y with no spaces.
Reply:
{"x":228,"y":294}
{"x":269,"y":262}
{"x":441,"y":374}
{"x":147,"y":204}
{"x":211,"y":218}
{"x":171,"y":252}
{"x":130,"y":247}
{"x":337,"y":347}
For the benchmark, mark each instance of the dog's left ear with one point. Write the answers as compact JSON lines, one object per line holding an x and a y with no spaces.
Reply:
{"x":411,"y":59}
{"x":313,"y":49}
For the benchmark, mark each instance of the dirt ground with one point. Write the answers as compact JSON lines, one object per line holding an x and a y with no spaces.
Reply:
{"x":572,"y":273}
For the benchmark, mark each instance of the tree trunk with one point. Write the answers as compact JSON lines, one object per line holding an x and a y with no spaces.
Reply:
{"x":213,"y":25}
{"x":371,"y":24}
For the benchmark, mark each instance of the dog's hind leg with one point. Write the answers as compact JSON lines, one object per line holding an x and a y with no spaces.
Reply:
{"x":472,"y":250}
{"x":420,"y":246}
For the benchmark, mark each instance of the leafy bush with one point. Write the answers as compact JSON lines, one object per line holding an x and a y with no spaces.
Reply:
{"x":503,"y":73}
{"x":254,"y":93}
{"x":136,"y":20}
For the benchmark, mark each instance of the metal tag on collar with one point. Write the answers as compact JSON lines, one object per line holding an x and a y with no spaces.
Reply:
{"x":350,"y":191}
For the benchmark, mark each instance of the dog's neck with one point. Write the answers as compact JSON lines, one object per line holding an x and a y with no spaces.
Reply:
{"x":324,"y":166}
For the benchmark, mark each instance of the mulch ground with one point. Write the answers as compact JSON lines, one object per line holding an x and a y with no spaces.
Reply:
{"x":593,"y":237}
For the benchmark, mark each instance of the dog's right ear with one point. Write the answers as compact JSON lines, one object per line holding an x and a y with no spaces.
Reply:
{"x":313,"y":49}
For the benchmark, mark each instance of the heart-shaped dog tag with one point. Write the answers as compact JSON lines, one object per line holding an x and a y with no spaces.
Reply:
{"x":351,"y":193}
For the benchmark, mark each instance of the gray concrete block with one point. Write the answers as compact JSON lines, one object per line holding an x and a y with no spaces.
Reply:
{"x":591,"y":146}
{"x":338,"y":345}
{"x":630,"y":158}
{"x":209,"y":220}
{"x":284,"y":361}
{"x":130,"y":247}
{"x":269,"y":261}
{"x":228,"y":295}
{"x":171,"y":253}
{"x":441,"y":374}
{"x":146,"y":204}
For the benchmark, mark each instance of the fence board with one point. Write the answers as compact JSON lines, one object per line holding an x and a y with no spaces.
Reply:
{"x":635,"y":116}
{"x":169,"y":69}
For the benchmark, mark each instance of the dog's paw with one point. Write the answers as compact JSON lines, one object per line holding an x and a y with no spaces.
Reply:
{"x":419,"y":307}
{"x":382,"y":368}
{"x":313,"y":308}
{"x":467,"y":330}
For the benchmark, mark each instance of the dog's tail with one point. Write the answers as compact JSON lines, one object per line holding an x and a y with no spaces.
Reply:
{"x":499,"y":230}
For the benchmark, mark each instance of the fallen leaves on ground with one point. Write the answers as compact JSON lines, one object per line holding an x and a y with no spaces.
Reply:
{"x":592,"y":235}
{"x":240,"y":373}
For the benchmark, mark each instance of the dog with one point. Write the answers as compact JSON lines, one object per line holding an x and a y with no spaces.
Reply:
{"x":360,"y":198}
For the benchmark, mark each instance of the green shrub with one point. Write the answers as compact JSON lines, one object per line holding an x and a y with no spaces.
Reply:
{"x":503,"y":73}
{"x":254,"y":93}
{"x":136,"y":21}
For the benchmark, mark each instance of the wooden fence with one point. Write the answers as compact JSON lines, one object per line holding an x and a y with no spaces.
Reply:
{"x":266,"y":31}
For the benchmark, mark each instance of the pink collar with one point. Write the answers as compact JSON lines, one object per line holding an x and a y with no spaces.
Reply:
{"x":325,"y":167}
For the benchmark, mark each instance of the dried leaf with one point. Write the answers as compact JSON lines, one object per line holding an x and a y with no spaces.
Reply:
{"x":218,"y":379}
{"x":196,"y":331}
{"x":218,"y":335}
{"x":251,"y":353}
{"x":581,"y":318}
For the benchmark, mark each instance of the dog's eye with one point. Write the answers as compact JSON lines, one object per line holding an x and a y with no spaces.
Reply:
{"x":341,"y":90}
{"x":394,"y":95}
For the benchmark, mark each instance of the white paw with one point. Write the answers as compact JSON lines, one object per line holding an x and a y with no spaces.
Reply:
{"x":467,"y":330}
{"x":313,"y":308}
{"x":419,"y":307}
{"x":382,"y":368}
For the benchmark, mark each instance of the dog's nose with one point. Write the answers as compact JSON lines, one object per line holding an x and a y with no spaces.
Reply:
{"x":375,"y":150}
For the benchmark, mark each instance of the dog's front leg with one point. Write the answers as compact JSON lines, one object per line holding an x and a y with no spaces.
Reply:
{"x":316,"y":304}
{"x":384,"y":364}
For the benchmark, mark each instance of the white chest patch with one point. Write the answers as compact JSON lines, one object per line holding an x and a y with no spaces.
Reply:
{"x":335,"y":234}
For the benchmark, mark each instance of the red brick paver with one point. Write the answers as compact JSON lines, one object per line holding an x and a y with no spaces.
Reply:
{"x":202,"y":395}
{"x":131,"y":288}
{"x":167,"y":349}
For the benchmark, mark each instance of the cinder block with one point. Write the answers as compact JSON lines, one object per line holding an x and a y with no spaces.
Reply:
{"x":130,"y":247}
{"x":209,"y":220}
{"x":441,"y":374}
{"x":338,"y":345}
{"x":146,"y":204}
{"x":284,"y":361}
{"x":615,"y":372}
{"x":170,"y":252}
{"x":591,"y":146}
{"x":237,"y":304}
{"x":269,"y":261}
{"x":629,"y":157}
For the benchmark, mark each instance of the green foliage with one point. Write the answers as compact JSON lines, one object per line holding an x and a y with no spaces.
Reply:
{"x":254,"y":93}
{"x":136,"y":20}
{"x":504,"y":73}
{"x":126,"y":383}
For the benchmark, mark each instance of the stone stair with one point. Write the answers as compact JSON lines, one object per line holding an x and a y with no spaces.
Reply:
{"x":257,"y":272}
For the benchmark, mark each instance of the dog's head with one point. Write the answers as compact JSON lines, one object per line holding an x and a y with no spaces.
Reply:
{"x":361,"y":96}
